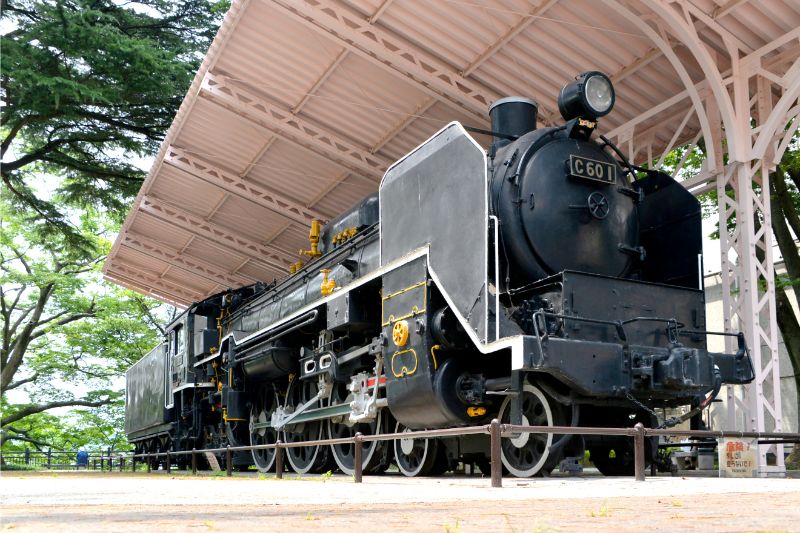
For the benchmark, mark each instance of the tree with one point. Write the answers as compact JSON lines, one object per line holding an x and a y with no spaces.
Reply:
{"x":785,"y":211}
{"x":87,"y":85}
{"x":67,"y":337}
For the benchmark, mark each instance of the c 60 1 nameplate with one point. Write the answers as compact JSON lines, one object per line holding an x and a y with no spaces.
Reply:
{"x":590,"y":169}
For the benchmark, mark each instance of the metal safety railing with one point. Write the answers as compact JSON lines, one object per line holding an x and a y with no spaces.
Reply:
{"x":59,"y":460}
{"x":496,"y":431}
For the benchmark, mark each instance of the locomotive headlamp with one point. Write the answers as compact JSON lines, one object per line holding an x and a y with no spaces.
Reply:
{"x":590,"y":96}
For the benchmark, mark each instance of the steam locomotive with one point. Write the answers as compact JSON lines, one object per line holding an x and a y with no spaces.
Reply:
{"x":544,"y":281}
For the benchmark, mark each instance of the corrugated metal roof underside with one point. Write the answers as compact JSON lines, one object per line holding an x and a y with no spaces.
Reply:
{"x":289,"y":118}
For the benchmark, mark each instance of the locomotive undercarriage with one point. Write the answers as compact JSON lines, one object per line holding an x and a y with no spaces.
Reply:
{"x":335,"y":394}
{"x":337,"y":386}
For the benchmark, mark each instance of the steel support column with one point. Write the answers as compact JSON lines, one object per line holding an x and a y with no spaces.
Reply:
{"x":757,"y":86}
{"x":748,"y":274}
{"x":746,"y":243}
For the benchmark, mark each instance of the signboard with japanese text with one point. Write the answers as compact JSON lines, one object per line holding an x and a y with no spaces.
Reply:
{"x":738,"y":458}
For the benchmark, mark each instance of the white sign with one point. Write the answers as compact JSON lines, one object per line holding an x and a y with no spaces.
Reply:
{"x":738,"y":458}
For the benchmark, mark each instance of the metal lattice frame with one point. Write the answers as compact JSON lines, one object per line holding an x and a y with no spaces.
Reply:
{"x":755,"y":88}
{"x":229,"y":239}
{"x":283,"y":122}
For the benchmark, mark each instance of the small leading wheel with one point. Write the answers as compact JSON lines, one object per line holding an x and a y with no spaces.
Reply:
{"x":305,"y":459}
{"x":261,"y":414}
{"x":528,"y":454}
{"x":373,"y":454}
{"x":414,"y":457}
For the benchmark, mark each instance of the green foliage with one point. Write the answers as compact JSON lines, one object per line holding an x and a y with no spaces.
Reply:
{"x":67,"y":336}
{"x":88,"y":85}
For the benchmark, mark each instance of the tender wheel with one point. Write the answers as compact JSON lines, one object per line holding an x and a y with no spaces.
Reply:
{"x":372,"y":453}
{"x":305,"y":459}
{"x":414,"y":457}
{"x":261,"y":413}
{"x":528,"y":453}
{"x":158,"y":461}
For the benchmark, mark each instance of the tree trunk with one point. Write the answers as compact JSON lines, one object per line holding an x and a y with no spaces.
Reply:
{"x":787,"y":320}
{"x":790,"y":330}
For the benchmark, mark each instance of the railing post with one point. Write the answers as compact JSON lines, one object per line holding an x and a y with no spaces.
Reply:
{"x":228,"y":461}
{"x":495,"y":435}
{"x":121,"y":463}
{"x":133,"y":461}
{"x":638,"y":451}
{"x":194,"y":462}
{"x":49,"y":457}
{"x":149,"y":462}
{"x":27,"y":456}
{"x":358,"y":451}
{"x":169,"y":461}
{"x":278,"y":459}
{"x":110,"y":461}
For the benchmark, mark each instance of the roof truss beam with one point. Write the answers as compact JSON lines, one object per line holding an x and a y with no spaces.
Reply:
{"x":626,"y":129}
{"x":238,"y":186}
{"x":182,"y":260}
{"x":147,"y":291}
{"x":284,"y":123}
{"x":516,"y":29}
{"x":392,"y":53}
{"x":273,"y":258}
{"x":152,"y":280}
{"x":322,"y":79}
{"x":404,"y":123}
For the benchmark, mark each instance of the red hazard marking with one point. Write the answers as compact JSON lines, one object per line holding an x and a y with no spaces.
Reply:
{"x":371,"y":381}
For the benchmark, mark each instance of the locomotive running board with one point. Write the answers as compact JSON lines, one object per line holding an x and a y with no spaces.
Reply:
{"x":514,"y":343}
{"x":375,"y":274}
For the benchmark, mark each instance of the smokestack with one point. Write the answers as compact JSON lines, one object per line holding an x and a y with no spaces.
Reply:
{"x":513,"y":115}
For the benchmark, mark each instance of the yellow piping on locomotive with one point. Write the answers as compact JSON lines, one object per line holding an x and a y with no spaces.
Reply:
{"x":433,"y":355}
{"x":328,"y":285}
{"x":313,"y":239}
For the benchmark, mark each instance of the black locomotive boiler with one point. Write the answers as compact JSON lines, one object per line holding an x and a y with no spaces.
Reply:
{"x":546,"y":281}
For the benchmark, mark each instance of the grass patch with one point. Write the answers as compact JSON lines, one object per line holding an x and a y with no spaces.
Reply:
{"x":603,"y":512}
{"x":20,"y":468}
{"x":453,"y":528}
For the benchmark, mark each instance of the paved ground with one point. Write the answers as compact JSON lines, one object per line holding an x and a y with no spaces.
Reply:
{"x":141,"y":502}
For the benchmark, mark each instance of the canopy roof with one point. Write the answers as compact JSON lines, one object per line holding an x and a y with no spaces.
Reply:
{"x":300,"y":105}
